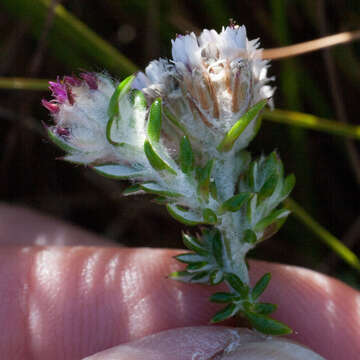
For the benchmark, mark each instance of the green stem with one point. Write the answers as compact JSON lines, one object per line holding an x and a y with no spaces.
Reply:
{"x":325,"y":236}
{"x":308,"y":121}
{"x":17,"y":83}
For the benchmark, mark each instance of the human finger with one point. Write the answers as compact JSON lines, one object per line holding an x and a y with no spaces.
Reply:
{"x":22,"y":226}
{"x":71,"y":302}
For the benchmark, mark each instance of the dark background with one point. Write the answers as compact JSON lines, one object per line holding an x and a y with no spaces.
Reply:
{"x":34,"y":44}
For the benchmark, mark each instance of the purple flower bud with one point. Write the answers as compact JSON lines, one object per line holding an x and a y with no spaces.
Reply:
{"x":59,"y":91}
{"x":90,"y":79}
{"x":79,"y":112}
{"x":62,"y":132}
{"x":72,"y":80}
{"x":53,"y":108}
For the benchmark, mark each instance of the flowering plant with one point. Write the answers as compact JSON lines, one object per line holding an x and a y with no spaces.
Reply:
{"x":180,"y":131}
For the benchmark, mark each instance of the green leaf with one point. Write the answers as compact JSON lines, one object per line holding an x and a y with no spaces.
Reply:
{"x":217,"y":247}
{"x":117,"y":171}
{"x":160,"y":200}
{"x":186,"y":156}
{"x":181,"y":276}
{"x":132,"y":190}
{"x":260,"y":286}
{"x":264,"y":308}
{"x":251,"y":208}
{"x":189,"y":258}
{"x":224,"y":314}
{"x":58,"y":141}
{"x":269,"y":186}
{"x":272,"y":218}
{"x":193,"y":244}
{"x":235,"y":203}
{"x":207,"y":235}
{"x":209,"y":216}
{"x":139,"y":100}
{"x":154,"y":122}
{"x":155,"y":160}
{"x":272,"y":165}
{"x":289,"y":184}
{"x":253,"y":175}
{"x":203,"y":177}
{"x":266,"y":325}
{"x":109,"y":126}
{"x":121,"y":90}
{"x":238,"y":128}
{"x":154,"y":188}
{"x":213,"y":190}
{"x":273,"y":229}
{"x":113,"y":109}
{"x":249,"y":236}
{"x":222,"y":297}
{"x":201,"y":277}
{"x":216,"y":277}
{"x":195,"y":267}
{"x":186,"y":217}
{"x":235,"y":282}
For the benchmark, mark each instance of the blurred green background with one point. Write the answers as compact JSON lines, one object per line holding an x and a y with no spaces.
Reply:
{"x":41,"y":39}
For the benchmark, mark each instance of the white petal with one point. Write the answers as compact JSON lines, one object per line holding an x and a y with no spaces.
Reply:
{"x":185,"y":49}
{"x":140,"y":81}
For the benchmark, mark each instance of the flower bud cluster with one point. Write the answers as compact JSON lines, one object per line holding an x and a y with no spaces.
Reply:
{"x":79,"y":111}
{"x":179,"y":132}
{"x":210,"y":83}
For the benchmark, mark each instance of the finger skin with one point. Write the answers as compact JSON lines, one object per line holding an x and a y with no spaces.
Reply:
{"x":21,"y":226}
{"x":71,"y":302}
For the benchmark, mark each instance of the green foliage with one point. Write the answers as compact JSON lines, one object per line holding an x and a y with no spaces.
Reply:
{"x":267,"y":325}
{"x":276,"y":216}
{"x":155,"y":160}
{"x":203,"y":177}
{"x":236,"y":202}
{"x":154,"y":188}
{"x":209,"y":216}
{"x":238,"y":128}
{"x":154,"y":122}
{"x":186,"y":156}
{"x":113,"y":110}
{"x":260,"y":286}
{"x":117,"y":172}
{"x":205,"y":264}
{"x":224,"y":314}
{"x":186,"y":217}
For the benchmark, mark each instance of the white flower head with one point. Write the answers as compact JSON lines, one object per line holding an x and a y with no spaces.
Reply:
{"x":211,"y":81}
{"x":79,"y":109}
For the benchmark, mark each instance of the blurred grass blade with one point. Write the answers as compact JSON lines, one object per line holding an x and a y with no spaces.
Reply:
{"x":330,"y":240}
{"x":312,"y":122}
{"x":23,"y":83}
{"x":69,"y":34}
